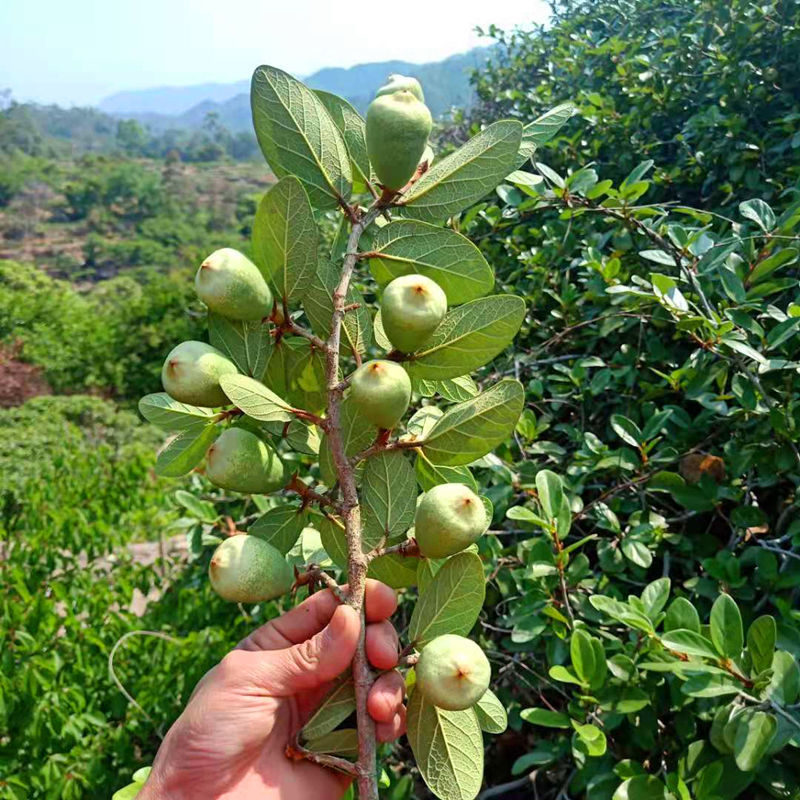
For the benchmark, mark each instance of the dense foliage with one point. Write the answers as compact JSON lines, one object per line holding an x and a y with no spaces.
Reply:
{"x":659,"y":357}
{"x":708,"y":89}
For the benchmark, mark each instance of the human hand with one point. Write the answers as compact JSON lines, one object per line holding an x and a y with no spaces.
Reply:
{"x":231,"y":738}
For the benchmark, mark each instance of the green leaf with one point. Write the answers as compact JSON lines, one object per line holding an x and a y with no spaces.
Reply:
{"x":726,"y":627}
{"x":465,"y":176}
{"x":471,"y":429}
{"x":388,"y":494}
{"x":299,"y":137}
{"x":183,"y":453}
{"x":710,"y":684}
{"x":247,"y":344}
{"x":451,"y":602}
{"x":627,"y":430}
{"x":545,"y":718}
{"x":761,"y":637}
{"x":285,"y":239}
{"x":318,"y":305}
{"x":337,"y":706}
{"x":689,"y":642}
{"x":542,"y":130}
{"x":766,"y":267}
{"x":621,"y":612}
{"x":454,"y":389}
{"x":353,"y":129}
{"x":759,"y":212}
{"x":342,"y":742}
{"x":754,"y":734}
{"x":398,"y":572}
{"x":468,"y":337}
{"x":582,"y":654}
{"x":642,"y":787}
{"x":590,"y":740}
{"x":784,"y":686}
{"x":430,"y":475}
{"x":682,"y":614}
{"x":357,"y":434}
{"x":280,"y":526}
{"x":558,"y":672}
{"x":170,"y":415}
{"x":448,"y":748}
{"x":492,"y":715}
{"x":205,"y":511}
{"x":252,"y":397}
{"x":654,"y":596}
{"x":451,"y":260}
{"x":551,"y":492}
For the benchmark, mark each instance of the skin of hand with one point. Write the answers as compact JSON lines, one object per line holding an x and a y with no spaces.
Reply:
{"x":231,"y":738}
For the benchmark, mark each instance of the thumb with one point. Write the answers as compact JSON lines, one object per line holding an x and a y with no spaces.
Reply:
{"x":317,"y":660}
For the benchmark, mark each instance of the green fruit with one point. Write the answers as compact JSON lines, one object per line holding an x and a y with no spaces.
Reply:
{"x":232,"y":285}
{"x":241,"y":462}
{"x":191,"y":374}
{"x":400,"y":83}
{"x":452,"y":672}
{"x":245,"y":569}
{"x":398,"y":125}
{"x":381,"y":391}
{"x":449,"y":518}
{"x":412,"y":307}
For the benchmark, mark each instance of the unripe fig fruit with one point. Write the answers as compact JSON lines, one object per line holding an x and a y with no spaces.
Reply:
{"x":381,"y":391}
{"x":241,"y":462}
{"x":452,"y":672}
{"x":191,"y":374}
{"x":412,"y":307}
{"x":398,"y":125}
{"x":449,"y":518}
{"x":229,"y":283}
{"x":245,"y":569}
{"x":400,"y":83}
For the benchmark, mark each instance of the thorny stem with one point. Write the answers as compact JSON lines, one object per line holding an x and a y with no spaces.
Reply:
{"x":357,"y":561}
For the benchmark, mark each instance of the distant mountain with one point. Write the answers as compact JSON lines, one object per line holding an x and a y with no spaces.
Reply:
{"x":169,"y":100}
{"x":446,"y":84}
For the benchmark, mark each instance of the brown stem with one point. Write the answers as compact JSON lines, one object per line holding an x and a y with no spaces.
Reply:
{"x":408,"y":548}
{"x":380,"y":445}
{"x":297,"y":752}
{"x":315,"y":574}
{"x":308,"y":494}
{"x":357,"y":564}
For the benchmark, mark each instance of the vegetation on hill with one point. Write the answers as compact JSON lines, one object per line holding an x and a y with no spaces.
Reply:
{"x":655,"y":240}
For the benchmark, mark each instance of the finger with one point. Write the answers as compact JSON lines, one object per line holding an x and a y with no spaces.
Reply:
{"x":313,"y":614}
{"x":295,"y":626}
{"x":382,"y":645}
{"x":314,"y":662}
{"x":380,"y":601}
{"x":394,"y":729}
{"x":386,"y":696}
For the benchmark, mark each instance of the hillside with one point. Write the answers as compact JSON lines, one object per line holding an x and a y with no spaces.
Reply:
{"x":446,"y":85}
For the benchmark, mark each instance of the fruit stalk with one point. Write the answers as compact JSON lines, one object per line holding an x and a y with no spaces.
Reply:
{"x":357,"y":562}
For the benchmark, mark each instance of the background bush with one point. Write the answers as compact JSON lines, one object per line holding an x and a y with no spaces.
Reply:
{"x":660,"y":362}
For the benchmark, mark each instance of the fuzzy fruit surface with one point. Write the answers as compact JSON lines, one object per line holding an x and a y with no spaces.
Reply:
{"x":401,"y":83}
{"x":245,"y":569}
{"x":449,"y":518}
{"x":191,"y":374}
{"x":241,"y":462}
{"x":452,"y":672}
{"x":229,"y":283}
{"x":412,"y":307}
{"x":398,"y":125}
{"x":381,"y":391}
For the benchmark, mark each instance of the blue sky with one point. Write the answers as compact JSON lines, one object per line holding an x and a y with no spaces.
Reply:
{"x":78,"y":51}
